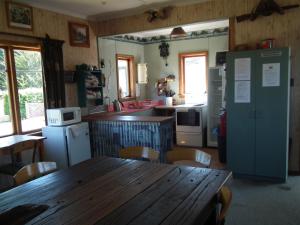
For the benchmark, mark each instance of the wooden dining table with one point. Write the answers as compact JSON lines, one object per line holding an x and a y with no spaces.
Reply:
{"x":113,"y":191}
{"x":7,"y":143}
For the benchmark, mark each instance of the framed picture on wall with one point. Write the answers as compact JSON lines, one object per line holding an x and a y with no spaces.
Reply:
{"x":19,"y":15}
{"x":79,"y":35}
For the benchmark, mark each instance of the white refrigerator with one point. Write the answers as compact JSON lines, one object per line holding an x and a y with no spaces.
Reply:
{"x":67,"y":145}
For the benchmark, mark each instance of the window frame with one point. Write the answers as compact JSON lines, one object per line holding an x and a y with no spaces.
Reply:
{"x":9,"y":47}
{"x":181,"y":58}
{"x":131,"y":76}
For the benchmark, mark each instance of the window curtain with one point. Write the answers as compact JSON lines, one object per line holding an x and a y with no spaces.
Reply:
{"x":54,"y":86}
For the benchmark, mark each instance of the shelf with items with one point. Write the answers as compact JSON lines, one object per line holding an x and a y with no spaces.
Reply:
{"x":90,"y":87}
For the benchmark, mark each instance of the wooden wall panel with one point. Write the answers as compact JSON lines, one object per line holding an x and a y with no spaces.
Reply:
{"x":285,"y":29}
{"x":56,"y":25}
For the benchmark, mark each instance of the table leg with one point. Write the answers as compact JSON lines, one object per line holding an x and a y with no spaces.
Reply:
{"x":34,"y":151}
{"x":41,"y":150}
{"x":212,"y":219}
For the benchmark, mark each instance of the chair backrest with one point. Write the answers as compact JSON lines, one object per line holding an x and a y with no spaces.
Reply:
{"x":33,"y":171}
{"x":188,"y":154}
{"x":139,"y":152}
{"x":24,"y":146}
{"x":225,"y":196}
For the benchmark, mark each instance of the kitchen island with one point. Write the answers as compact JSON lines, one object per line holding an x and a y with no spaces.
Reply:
{"x":111,"y":132}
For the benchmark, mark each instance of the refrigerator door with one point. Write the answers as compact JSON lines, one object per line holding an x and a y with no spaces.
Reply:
{"x":214,"y":98}
{"x":56,"y":146}
{"x":78,"y":141}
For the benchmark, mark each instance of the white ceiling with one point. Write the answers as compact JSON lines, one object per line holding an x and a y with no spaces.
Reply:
{"x":103,"y":9}
{"x":187,"y":28}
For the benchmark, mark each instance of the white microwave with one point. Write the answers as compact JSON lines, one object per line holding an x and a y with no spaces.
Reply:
{"x":63,"y":116}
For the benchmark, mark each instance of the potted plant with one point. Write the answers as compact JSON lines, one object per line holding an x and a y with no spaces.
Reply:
{"x":169,"y":93}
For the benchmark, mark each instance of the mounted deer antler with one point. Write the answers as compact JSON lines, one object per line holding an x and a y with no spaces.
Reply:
{"x":158,"y":14}
{"x":265,"y":8}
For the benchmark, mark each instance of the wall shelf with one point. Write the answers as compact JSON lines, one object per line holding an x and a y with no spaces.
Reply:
{"x":90,"y":87}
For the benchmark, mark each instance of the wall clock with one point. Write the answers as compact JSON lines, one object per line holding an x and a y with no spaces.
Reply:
{"x":164,"y":51}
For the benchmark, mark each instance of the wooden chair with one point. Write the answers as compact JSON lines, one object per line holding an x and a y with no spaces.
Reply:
{"x":188,"y":157}
{"x":33,"y":171}
{"x":139,"y":152}
{"x":14,"y":166}
{"x":197,"y":158}
{"x":225,"y":196}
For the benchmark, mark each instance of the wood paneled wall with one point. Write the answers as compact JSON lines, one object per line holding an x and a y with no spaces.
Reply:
{"x":285,"y":29}
{"x":56,"y":25}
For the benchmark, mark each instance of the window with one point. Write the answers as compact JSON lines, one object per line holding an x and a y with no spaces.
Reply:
{"x":193,"y":77}
{"x":21,"y":90}
{"x":125,"y":77}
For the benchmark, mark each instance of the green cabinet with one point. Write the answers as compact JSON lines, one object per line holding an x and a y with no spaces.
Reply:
{"x":257,"y":97}
{"x":90,"y":87}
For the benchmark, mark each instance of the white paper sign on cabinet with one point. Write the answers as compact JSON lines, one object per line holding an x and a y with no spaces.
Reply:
{"x":242,"y":68}
{"x":271,"y":75}
{"x":242,"y":92}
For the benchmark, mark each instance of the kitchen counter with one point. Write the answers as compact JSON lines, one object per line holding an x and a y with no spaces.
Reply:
{"x":110,"y":133}
{"x":126,"y":115}
{"x":96,"y":116}
{"x":165,"y":107}
{"x":178,"y":106}
{"x":127,"y":118}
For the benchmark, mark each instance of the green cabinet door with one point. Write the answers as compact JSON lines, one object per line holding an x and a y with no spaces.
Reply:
{"x":257,"y":131}
{"x":240,"y":120}
{"x":272,"y":104}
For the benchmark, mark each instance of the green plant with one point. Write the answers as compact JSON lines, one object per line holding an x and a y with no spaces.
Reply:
{"x":33,"y":97}
{"x":6,"y":105}
{"x":29,"y":98}
{"x":168,"y":92}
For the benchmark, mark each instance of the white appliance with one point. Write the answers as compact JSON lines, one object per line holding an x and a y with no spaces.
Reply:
{"x":216,"y":101}
{"x":63,"y":116}
{"x":67,"y":145}
{"x":190,"y":125}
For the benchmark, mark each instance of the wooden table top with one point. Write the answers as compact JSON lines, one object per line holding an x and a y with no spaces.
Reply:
{"x":118,"y":192}
{"x":9,"y":141}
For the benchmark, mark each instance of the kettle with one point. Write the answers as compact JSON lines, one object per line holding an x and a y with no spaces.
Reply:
{"x":117,"y":105}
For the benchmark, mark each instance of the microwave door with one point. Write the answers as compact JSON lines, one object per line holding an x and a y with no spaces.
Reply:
{"x":68,"y":116}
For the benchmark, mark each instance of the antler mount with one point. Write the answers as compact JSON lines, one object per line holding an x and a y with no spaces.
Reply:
{"x":265,"y":8}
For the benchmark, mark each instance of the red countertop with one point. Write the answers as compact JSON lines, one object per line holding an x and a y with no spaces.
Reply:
{"x":124,"y":115}
{"x":128,"y":118}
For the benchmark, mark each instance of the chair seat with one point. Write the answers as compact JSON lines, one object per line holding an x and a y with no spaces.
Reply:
{"x":189,"y":154}
{"x":139,"y":153}
{"x":189,"y":163}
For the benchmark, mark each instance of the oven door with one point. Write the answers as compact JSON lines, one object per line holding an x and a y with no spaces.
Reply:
{"x":188,"y":120}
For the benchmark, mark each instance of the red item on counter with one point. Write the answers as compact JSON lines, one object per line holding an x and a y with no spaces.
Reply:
{"x":267,"y":43}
